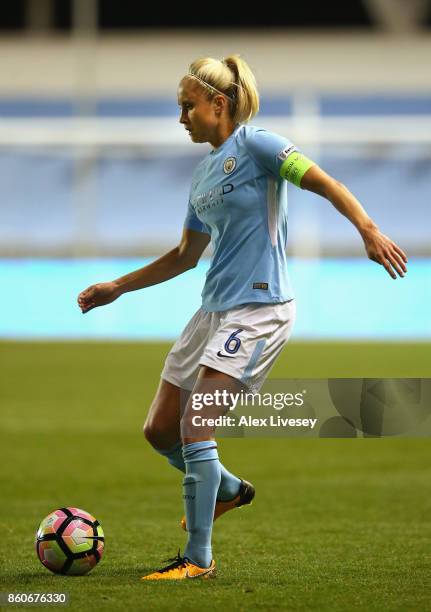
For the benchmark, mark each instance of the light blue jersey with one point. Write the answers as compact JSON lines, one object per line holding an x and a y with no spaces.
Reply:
{"x":239,"y":197}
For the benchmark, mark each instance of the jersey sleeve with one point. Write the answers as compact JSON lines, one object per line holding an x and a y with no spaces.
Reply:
{"x":277,"y":156}
{"x":192,"y":222}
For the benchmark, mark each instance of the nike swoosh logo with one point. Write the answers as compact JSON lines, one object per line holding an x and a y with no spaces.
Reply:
{"x":210,"y":569}
{"x":220,"y":354}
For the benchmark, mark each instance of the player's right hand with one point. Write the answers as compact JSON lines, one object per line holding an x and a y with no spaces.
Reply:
{"x":98,"y":295}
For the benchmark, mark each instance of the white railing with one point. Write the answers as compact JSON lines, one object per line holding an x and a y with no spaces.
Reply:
{"x":160,"y":131}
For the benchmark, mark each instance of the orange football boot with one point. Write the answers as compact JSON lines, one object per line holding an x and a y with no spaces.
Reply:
{"x":181,"y":569}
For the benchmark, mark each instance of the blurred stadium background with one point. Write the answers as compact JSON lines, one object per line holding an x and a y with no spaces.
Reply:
{"x":95,"y":168}
{"x":94,"y":174}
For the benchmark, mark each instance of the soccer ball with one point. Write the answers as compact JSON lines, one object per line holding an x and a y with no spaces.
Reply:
{"x":70,"y":541}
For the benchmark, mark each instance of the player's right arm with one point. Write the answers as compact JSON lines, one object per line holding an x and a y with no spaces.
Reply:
{"x":180,"y":259}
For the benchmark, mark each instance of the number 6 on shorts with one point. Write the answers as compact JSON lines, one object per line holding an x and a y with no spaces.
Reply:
{"x":236,"y":342}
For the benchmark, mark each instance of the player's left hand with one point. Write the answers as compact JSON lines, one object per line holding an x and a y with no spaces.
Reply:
{"x":98,"y":295}
{"x":385,"y":252}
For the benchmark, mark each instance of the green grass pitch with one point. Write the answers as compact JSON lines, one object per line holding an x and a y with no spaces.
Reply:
{"x":336,"y":525}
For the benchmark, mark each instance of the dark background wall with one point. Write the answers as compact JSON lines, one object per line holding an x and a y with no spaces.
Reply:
{"x":131,"y":14}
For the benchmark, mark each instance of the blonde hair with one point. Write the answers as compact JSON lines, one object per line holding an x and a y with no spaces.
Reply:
{"x":232,"y":78}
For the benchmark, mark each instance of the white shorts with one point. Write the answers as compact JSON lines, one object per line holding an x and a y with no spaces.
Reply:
{"x":242,"y":342}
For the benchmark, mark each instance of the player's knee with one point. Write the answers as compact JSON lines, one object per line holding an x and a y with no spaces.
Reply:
{"x":152,"y":433}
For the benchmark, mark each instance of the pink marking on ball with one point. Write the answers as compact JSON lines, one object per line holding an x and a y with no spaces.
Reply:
{"x":82,"y":513}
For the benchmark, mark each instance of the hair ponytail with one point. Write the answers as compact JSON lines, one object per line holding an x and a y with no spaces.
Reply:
{"x":233,"y":78}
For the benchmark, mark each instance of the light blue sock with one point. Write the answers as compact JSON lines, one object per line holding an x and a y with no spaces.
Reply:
{"x":174,"y":456}
{"x":201,"y":484}
{"x":229,"y":484}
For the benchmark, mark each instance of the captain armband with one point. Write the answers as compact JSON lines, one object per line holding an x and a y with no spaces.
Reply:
{"x":294,"y":167}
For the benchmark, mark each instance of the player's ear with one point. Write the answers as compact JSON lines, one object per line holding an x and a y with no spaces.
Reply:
{"x":219,"y":104}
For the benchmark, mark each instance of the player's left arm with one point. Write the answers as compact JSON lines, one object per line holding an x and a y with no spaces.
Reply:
{"x":277,"y":156}
{"x":379,"y":247}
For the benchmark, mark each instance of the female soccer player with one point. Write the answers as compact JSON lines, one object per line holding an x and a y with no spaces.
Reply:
{"x":238,"y":200}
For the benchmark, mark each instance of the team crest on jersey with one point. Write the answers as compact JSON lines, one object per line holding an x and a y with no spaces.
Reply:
{"x":229,"y":165}
{"x":284,"y":154}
